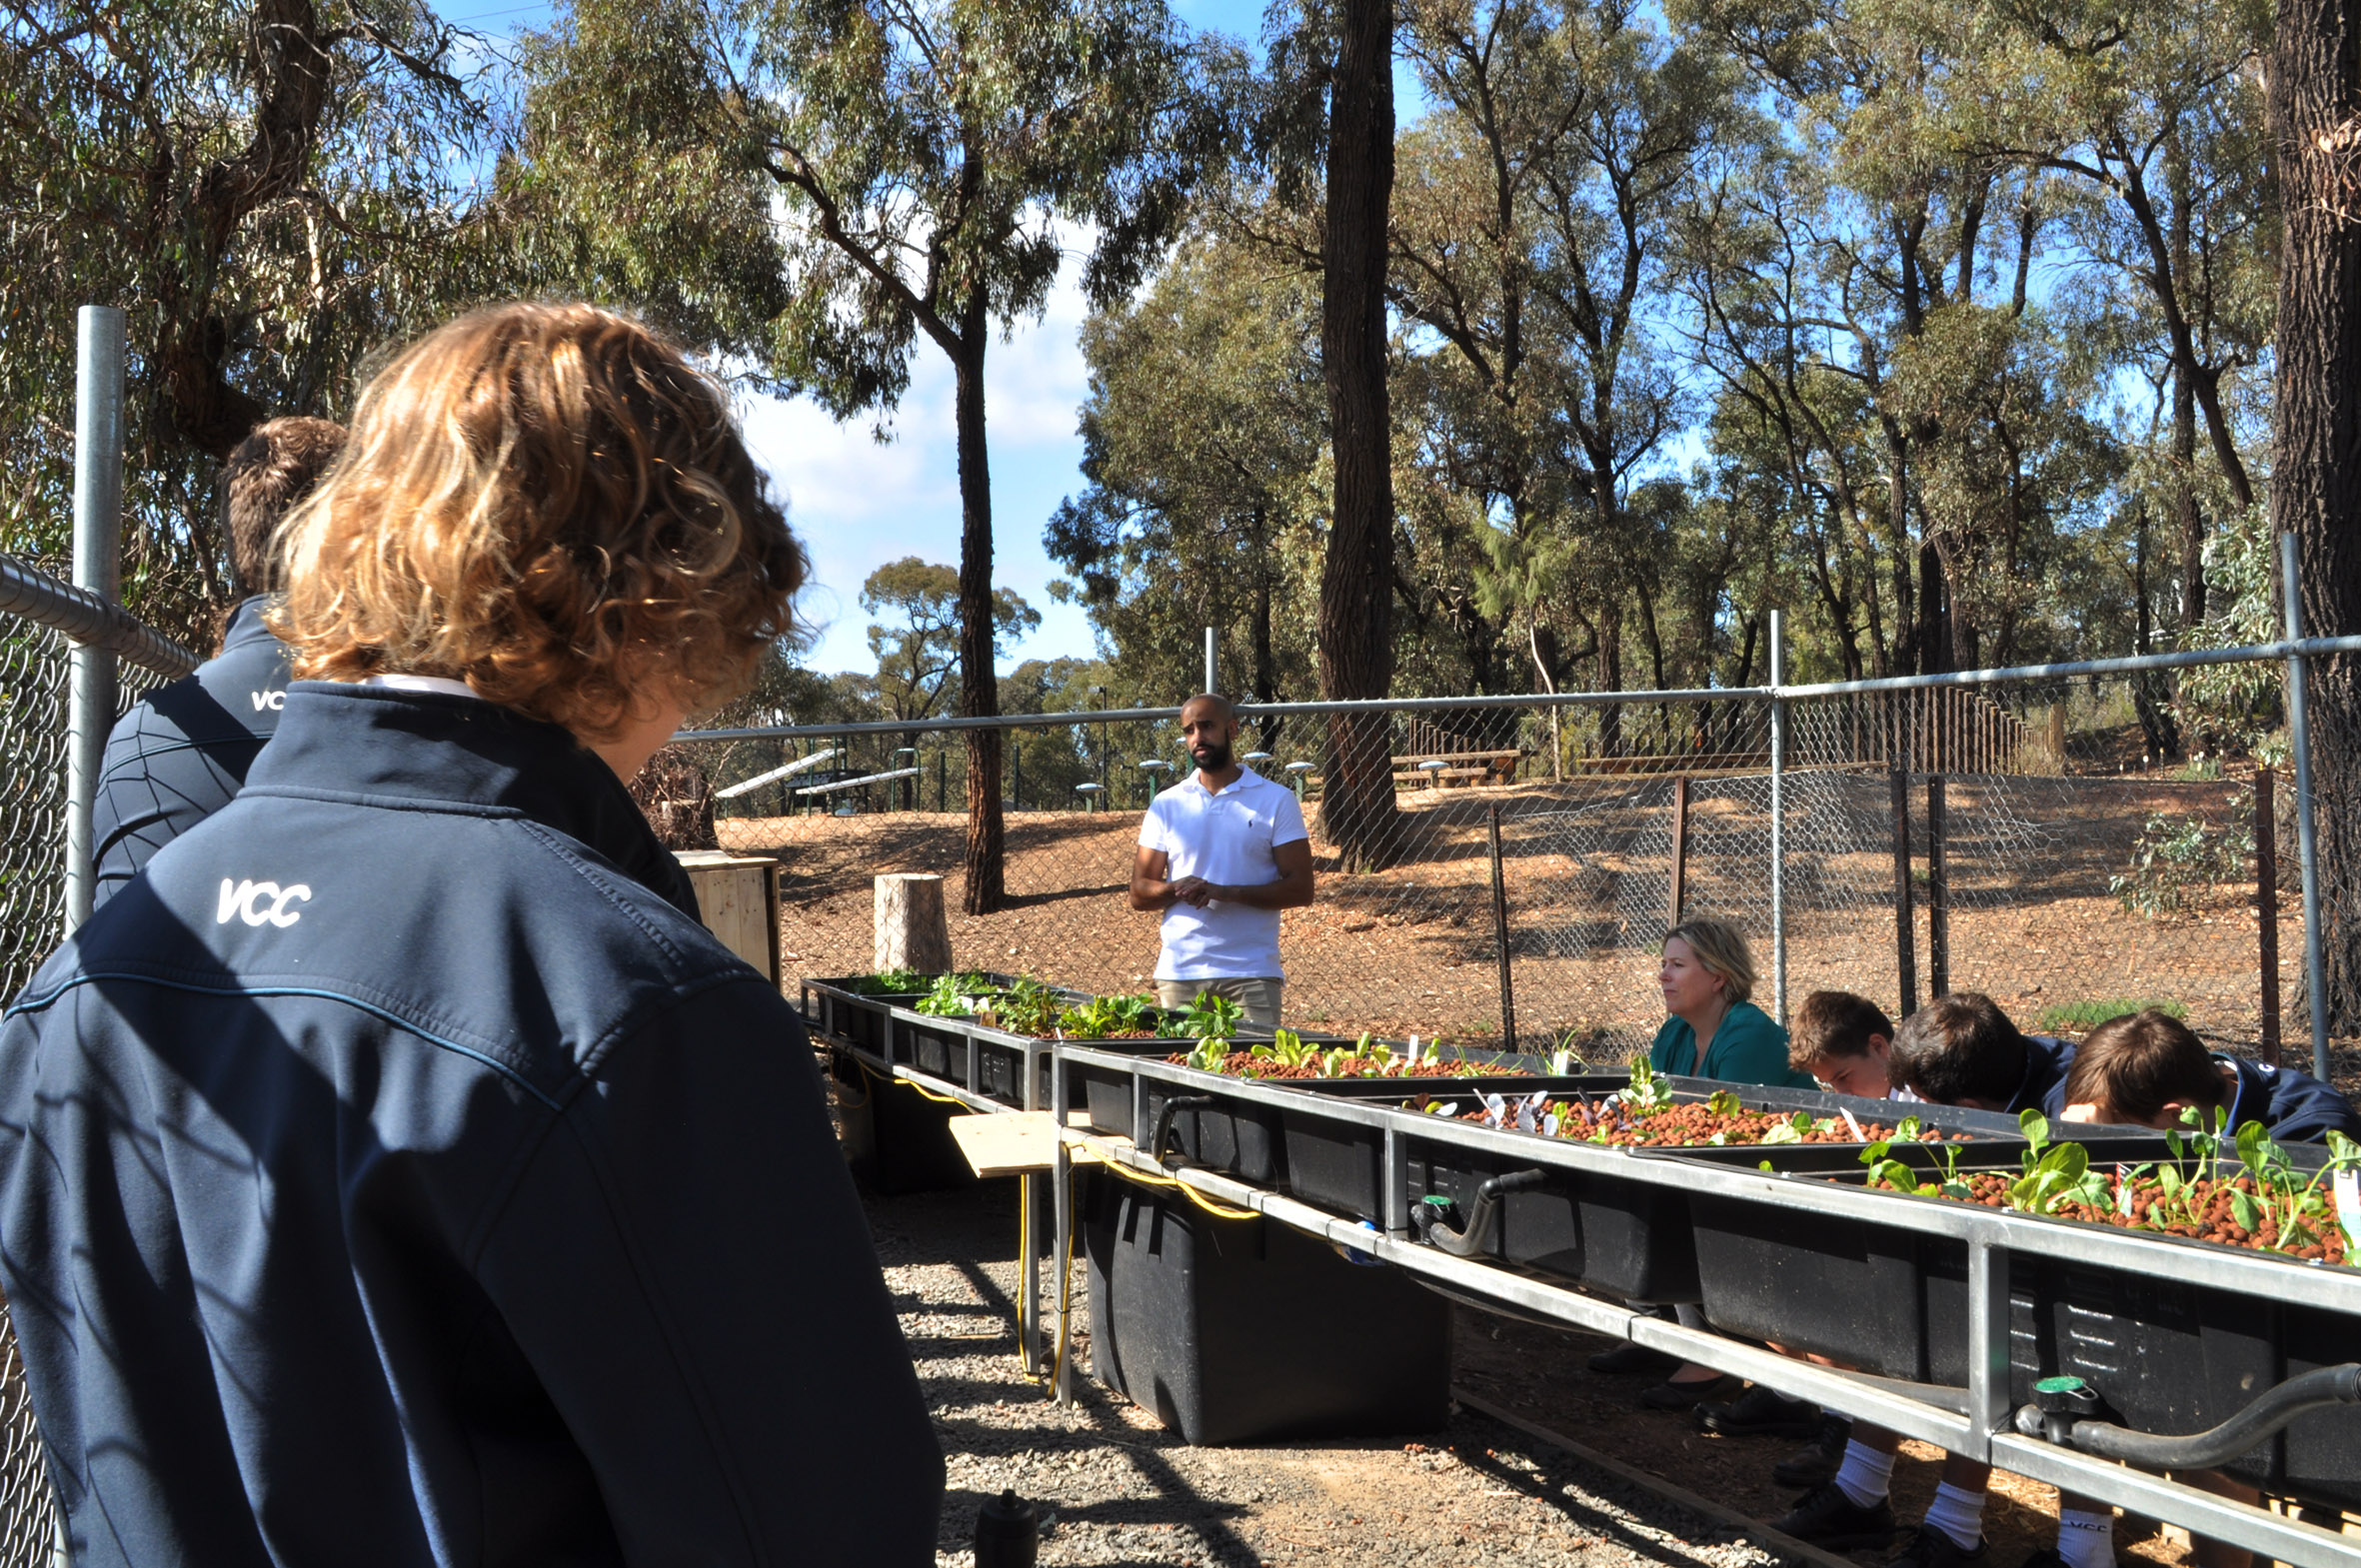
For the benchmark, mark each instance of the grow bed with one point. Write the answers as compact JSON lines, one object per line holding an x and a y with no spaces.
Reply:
{"x":1604,"y":1213}
{"x":2171,"y":1342}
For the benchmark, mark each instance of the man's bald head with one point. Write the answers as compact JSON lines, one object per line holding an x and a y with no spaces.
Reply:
{"x":1221,"y":706}
{"x":1209,"y":724}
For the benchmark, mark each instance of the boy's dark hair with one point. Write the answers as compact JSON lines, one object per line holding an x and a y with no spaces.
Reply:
{"x":2136,"y":1064}
{"x":1960,"y":1047}
{"x":1833,"y":1024}
{"x":269,"y":471}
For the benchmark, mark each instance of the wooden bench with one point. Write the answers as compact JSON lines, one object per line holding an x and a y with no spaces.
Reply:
{"x":1442,"y":777}
{"x":1500,"y":765}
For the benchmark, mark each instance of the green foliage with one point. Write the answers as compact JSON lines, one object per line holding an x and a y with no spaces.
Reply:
{"x":2079,"y":1018}
{"x":270,"y":192}
{"x":917,"y":645}
{"x":957,"y":996}
{"x":1102,"y":1016}
{"x":2174,"y":863}
{"x":890,"y":983}
{"x":1211,"y":1017}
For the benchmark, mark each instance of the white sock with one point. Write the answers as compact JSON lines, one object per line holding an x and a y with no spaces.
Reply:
{"x":1958,"y":1514}
{"x":1864,"y":1475}
{"x":2086,"y":1540}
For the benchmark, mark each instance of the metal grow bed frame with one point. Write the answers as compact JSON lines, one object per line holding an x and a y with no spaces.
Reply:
{"x":1975,"y":1421}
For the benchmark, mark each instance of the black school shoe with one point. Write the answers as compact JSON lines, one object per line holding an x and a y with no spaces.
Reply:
{"x":1634,"y":1359}
{"x":1816,"y":1465}
{"x":1931,"y":1548}
{"x":1670,"y":1395}
{"x":1761,"y":1412}
{"x":1826,"y":1517}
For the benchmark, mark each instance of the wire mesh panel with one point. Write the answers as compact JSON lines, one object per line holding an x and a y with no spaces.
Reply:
{"x":2049,"y":854}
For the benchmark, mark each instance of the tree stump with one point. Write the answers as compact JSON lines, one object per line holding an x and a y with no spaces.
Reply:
{"x":911,"y":930}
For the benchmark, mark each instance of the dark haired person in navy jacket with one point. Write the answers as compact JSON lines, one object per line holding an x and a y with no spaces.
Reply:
{"x":388,"y":1176}
{"x":2146,"y":1069}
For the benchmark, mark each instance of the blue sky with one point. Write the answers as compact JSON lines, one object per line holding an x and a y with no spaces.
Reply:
{"x":858,"y":504}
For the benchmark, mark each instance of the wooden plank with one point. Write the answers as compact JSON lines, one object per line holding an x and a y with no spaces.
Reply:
{"x":1012,"y":1143}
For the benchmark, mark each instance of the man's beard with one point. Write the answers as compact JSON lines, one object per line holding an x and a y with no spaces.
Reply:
{"x":1212,"y":758}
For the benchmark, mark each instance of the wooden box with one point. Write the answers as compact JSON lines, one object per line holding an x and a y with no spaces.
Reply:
{"x":739,"y":897}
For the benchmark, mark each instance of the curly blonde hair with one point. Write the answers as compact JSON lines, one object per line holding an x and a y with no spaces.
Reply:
{"x":548,"y":503}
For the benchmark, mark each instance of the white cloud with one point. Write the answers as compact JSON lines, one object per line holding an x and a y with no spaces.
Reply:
{"x":858,"y":504}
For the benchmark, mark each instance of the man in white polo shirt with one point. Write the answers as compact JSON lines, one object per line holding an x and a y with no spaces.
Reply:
{"x":1220,"y":853}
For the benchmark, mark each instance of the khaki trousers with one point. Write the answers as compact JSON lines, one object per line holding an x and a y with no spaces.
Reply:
{"x":1259,"y":996}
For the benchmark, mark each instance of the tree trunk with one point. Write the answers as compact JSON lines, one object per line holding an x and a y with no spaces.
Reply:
{"x":980,"y":691}
{"x":912,"y":930}
{"x":2315,"y":86}
{"x":1355,"y":623}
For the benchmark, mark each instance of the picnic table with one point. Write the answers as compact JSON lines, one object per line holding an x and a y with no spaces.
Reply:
{"x":1442,"y":770}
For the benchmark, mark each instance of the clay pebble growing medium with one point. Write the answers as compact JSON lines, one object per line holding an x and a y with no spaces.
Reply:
{"x":1246,"y":1065}
{"x":2212,"y":1213}
{"x":1117,"y":1488}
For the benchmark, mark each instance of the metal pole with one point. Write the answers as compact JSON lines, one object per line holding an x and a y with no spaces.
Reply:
{"x":2299,"y":737}
{"x":1905,"y":921}
{"x":2266,"y":908}
{"x":1778,"y":825}
{"x":1500,"y":938}
{"x":1939,"y":894}
{"x":98,"y":556}
{"x":1210,"y":686}
{"x":1680,"y":893}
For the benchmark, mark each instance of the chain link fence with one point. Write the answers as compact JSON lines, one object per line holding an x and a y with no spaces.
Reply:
{"x":35,"y":662}
{"x":2047,"y":855}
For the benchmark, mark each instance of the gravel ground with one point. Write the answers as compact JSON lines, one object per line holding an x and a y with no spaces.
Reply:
{"x":1116,"y":1487}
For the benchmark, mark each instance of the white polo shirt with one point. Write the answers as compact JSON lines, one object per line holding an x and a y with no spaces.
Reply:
{"x":1228,"y":838}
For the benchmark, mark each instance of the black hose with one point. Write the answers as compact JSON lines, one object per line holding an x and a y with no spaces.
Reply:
{"x":1475,"y":1236}
{"x":1163,"y":1120}
{"x":2329,"y":1385}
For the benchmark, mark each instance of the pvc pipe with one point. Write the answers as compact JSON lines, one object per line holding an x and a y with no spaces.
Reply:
{"x":776,"y":774}
{"x":98,"y":570}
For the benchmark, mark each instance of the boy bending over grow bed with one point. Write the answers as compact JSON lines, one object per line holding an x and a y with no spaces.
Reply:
{"x":2146,"y":1069}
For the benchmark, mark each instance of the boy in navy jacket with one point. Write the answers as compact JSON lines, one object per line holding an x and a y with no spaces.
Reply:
{"x":387,"y":1175}
{"x":2145,"y":1068}
{"x":181,"y":754}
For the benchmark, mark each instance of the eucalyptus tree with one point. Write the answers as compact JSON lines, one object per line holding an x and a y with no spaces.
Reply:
{"x":2315,"y":98}
{"x":268,"y":190}
{"x":1204,"y":437}
{"x":817,"y":185}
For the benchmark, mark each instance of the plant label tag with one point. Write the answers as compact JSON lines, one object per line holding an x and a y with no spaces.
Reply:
{"x":1561,"y":1062}
{"x":2122,"y":1193}
{"x":2348,"y":1206}
{"x":1549,"y":1124}
{"x":1859,"y":1135}
{"x":1525,"y":1116}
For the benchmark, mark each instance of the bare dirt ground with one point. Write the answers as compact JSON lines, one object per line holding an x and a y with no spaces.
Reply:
{"x":1412,"y":950}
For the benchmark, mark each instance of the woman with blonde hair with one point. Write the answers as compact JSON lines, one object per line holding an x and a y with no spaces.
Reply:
{"x":1706,"y":975}
{"x":387,"y":1174}
{"x":1714,"y":1029}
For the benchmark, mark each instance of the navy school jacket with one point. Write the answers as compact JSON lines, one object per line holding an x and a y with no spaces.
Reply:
{"x":387,"y":1179}
{"x":2295,"y":1106}
{"x":2044,"y":1087}
{"x":183,"y":751}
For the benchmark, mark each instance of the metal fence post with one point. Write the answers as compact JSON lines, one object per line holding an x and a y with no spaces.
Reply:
{"x":1210,"y":687}
{"x":2299,"y":737}
{"x":1778,"y":818}
{"x":98,"y":556}
{"x":2266,"y":908}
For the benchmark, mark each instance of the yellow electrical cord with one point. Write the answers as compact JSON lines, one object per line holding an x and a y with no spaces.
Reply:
{"x":940,"y":1099}
{"x":1217,"y":1210}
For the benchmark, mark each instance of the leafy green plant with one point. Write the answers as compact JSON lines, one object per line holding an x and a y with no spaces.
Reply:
{"x":2053,"y":1174}
{"x":956,"y":996}
{"x":888,"y":982}
{"x":1885,"y":1171}
{"x":1211,"y":1017}
{"x":1286,"y":1049}
{"x":2172,"y":863}
{"x":1648,"y":1090}
{"x":1026,"y":1007}
{"x":1102,"y":1016}
{"x":1210,"y":1053}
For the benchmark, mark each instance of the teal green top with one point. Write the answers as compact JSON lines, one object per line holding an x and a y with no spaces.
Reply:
{"x":1747,"y":1049}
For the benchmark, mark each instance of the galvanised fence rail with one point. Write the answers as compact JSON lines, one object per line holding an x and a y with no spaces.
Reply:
{"x":2010,"y":831}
